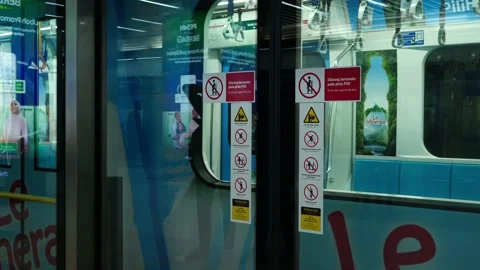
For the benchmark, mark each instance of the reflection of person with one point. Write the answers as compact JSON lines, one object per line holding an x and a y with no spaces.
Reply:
{"x":186,"y":138}
{"x":175,"y":130}
{"x":182,"y":135}
{"x":135,"y":133}
{"x":16,"y":126}
{"x":193,"y":124}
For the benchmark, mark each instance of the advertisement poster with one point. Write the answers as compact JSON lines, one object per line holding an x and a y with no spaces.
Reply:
{"x":183,"y":66}
{"x":376,"y":125}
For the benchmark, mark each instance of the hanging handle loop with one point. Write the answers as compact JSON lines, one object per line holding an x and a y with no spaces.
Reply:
{"x":397,"y":39}
{"x":362,"y":20}
{"x":323,"y":45}
{"x":476,"y":6}
{"x":416,"y":11}
{"x":442,"y":35}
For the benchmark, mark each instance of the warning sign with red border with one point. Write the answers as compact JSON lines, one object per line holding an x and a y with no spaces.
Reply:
{"x":214,"y":88}
{"x":229,"y":87}
{"x":328,"y":84}
{"x":309,"y":85}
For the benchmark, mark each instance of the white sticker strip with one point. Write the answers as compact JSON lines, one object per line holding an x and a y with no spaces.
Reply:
{"x":241,"y":162}
{"x":311,"y":167}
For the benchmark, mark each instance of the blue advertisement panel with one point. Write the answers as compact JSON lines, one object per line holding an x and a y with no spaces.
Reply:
{"x":28,"y":109}
{"x":361,"y":235}
{"x":456,"y":11}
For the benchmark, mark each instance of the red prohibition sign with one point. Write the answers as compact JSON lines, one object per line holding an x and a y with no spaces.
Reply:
{"x":310,"y":192}
{"x":311,"y":138}
{"x":240,"y":160}
{"x":212,"y":88}
{"x":240,"y":185}
{"x":241,"y":136}
{"x":310,"y":164}
{"x":307,"y":82}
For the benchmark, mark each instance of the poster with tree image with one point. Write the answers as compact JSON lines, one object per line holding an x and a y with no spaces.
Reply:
{"x":376,"y":115}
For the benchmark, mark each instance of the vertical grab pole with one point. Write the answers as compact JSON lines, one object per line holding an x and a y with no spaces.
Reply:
{"x":331,"y":108}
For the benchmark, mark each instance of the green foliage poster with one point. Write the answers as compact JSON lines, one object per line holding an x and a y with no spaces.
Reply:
{"x":376,"y":123}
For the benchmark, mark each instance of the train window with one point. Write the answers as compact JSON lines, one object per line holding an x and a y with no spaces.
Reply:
{"x":230,"y":50}
{"x":452,"y":102}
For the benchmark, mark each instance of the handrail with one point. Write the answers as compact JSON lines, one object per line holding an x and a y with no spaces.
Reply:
{"x":333,"y":110}
{"x":28,"y":198}
{"x":342,"y":54}
{"x":356,"y":44}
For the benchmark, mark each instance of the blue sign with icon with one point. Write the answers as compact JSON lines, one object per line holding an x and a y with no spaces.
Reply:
{"x":413,"y":38}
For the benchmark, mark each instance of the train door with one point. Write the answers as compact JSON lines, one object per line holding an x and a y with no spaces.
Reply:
{"x":401,"y":156}
{"x":189,"y":202}
{"x":31,"y":69}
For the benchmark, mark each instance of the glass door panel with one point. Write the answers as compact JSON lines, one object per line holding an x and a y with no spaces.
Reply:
{"x":29,"y":55}
{"x":171,"y":150}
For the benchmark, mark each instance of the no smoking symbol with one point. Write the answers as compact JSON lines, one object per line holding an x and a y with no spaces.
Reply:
{"x":311,"y":139}
{"x":240,"y":185}
{"x":309,"y":85}
{"x":310,"y":192}
{"x":310,"y":164}
{"x":240,"y":160}
{"x":214,"y":88}
{"x":241,"y":136}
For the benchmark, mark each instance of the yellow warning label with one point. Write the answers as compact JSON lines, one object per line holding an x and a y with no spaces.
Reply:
{"x":311,"y":219}
{"x":240,"y":210}
{"x":311,"y":117}
{"x":241,"y":116}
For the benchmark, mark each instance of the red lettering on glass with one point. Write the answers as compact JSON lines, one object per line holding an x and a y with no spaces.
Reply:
{"x":392,"y":259}
{"x":25,"y":244}
{"x":339,"y":228}
{"x":16,"y":211}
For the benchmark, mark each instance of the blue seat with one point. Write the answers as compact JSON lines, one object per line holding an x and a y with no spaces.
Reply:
{"x":425,"y":179}
{"x":466,"y":182}
{"x":380,"y":176}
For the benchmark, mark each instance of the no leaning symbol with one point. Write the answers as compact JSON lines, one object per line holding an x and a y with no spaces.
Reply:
{"x":214,"y":88}
{"x":310,"y":192}
{"x":309,"y":85}
{"x":240,"y":185}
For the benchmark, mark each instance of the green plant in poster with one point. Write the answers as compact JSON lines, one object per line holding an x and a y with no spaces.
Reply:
{"x":377,"y":112}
